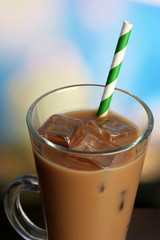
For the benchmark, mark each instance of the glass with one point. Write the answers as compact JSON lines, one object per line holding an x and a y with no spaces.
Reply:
{"x":77,"y":204}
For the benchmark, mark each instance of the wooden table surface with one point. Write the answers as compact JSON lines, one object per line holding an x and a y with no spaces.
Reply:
{"x":145,"y":224}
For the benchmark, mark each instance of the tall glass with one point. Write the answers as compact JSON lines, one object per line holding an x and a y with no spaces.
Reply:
{"x":79,"y":204}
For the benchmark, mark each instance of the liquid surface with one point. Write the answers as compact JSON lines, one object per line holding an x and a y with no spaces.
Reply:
{"x":83,"y":131}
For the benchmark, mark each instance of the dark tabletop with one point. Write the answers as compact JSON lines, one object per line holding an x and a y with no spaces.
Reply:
{"x":145,"y":224}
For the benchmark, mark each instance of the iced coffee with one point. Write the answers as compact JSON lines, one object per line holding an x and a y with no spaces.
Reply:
{"x":85,"y":196}
{"x":88,"y":168}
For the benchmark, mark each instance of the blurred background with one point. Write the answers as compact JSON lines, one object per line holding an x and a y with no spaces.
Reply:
{"x":45,"y":44}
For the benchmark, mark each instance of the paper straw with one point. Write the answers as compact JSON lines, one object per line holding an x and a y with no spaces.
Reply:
{"x":114,"y":69}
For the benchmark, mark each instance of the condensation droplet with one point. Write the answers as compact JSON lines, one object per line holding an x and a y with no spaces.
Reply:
{"x":102,"y":188}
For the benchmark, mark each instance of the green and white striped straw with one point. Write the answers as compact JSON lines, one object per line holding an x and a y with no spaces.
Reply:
{"x":115,"y":68}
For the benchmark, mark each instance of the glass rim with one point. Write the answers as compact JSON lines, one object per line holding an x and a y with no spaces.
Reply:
{"x":143,"y":136}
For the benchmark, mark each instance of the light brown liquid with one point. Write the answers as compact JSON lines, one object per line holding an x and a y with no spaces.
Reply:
{"x":83,"y":201}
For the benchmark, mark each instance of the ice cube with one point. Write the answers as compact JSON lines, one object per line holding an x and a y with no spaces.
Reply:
{"x":123,"y":158}
{"x":90,"y":143}
{"x":81,"y":163}
{"x":59,"y":129}
{"x":113,"y":130}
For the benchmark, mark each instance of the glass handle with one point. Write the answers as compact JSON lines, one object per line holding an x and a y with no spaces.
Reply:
{"x":17,"y":217}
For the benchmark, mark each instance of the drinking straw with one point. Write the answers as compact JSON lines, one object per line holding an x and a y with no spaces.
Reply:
{"x":114,"y":69}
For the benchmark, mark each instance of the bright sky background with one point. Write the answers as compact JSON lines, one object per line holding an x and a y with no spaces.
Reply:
{"x":46,"y":44}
